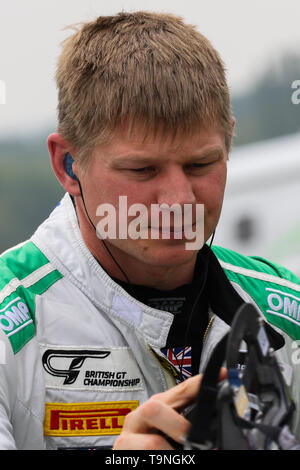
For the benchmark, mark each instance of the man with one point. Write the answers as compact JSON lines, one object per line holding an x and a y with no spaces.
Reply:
{"x":95,"y":325}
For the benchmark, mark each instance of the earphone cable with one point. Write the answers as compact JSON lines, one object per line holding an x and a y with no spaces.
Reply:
{"x":99,"y":236}
{"x":195,"y":303}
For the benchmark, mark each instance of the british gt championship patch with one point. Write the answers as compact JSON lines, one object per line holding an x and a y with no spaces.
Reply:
{"x":90,"y":368}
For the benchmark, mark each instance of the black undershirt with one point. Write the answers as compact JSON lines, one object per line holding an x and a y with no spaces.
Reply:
{"x":217,"y":294}
{"x":180,"y":302}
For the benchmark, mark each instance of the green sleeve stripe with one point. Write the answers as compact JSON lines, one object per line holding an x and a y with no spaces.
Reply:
{"x":281,"y":307}
{"x":274,"y":289}
{"x":19,"y":328}
{"x":17,"y":318}
{"x":44,"y":283}
{"x":22,"y":261}
{"x":260,"y":275}
{"x":22,"y":336}
{"x":25,"y":273}
{"x":28,"y":281}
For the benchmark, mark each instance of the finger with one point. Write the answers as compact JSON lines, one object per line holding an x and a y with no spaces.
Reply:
{"x":155,"y":415}
{"x":182,"y":394}
{"x":129,"y":441}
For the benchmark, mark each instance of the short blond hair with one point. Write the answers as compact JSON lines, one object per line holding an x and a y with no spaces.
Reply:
{"x":138,"y":67}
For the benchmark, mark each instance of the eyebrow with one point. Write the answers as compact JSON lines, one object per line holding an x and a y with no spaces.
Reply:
{"x":121,"y":160}
{"x":129,"y":159}
{"x":211,"y":152}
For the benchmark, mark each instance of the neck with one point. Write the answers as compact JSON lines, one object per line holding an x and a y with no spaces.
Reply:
{"x":131,"y":270}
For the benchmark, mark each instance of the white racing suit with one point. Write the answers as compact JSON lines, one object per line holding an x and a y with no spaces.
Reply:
{"x":77,"y":352}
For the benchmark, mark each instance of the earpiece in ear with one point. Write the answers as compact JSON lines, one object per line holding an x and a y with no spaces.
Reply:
{"x":68,"y":161}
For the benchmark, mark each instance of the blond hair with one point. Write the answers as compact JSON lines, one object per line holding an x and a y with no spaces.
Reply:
{"x":138,"y":67}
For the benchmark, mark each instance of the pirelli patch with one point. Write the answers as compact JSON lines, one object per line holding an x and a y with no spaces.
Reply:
{"x":86,"y":419}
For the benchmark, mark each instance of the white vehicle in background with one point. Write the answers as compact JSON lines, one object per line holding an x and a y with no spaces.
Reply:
{"x":261,"y":212}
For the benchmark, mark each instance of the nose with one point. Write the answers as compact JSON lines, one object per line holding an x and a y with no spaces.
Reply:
{"x":176,"y":188}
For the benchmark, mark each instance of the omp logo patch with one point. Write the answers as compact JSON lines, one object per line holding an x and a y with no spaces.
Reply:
{"x":90,"y":368}
{"x":172,"y":304}
{"x":86,"y":419}
{"x":284,"y":305}
{"x":14,"y":317}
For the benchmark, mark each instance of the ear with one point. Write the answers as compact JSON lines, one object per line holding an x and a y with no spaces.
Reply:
{"x":233,"y":120}
{"x":58,"y":148}
{"x":230,"y":136}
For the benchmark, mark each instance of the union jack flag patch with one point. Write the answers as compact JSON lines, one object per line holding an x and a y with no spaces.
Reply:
{"x":181,"y":359}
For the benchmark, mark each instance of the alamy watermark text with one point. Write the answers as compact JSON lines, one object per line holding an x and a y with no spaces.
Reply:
{"x":161,"y":221}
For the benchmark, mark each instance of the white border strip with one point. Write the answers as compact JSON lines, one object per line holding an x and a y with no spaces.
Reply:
{"x":259,"y":275}
{"x":20,"y":328}
{"x":283,"y":316}
{"x":283,"y":293}
{"x":10,"y":303}
{"x":37,"y":275}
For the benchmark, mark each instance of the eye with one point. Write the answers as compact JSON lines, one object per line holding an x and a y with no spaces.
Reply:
{"x":142,"y":170}
{"x":204,"y":164}
{"x":145,"y":170}
{"x":197,"y":166}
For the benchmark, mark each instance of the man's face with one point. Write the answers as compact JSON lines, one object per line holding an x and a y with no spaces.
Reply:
{"x":190,"y":169}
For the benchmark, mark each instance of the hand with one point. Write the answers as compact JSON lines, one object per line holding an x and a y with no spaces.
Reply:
{"x":143,"y":428}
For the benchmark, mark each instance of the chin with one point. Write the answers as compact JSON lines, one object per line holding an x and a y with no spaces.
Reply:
{"x":167,"y":255}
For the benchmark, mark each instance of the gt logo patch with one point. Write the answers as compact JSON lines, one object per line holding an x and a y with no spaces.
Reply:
{"x":86,"y":419}
{"x":88,"y":368}
{"x":78,"y":357}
